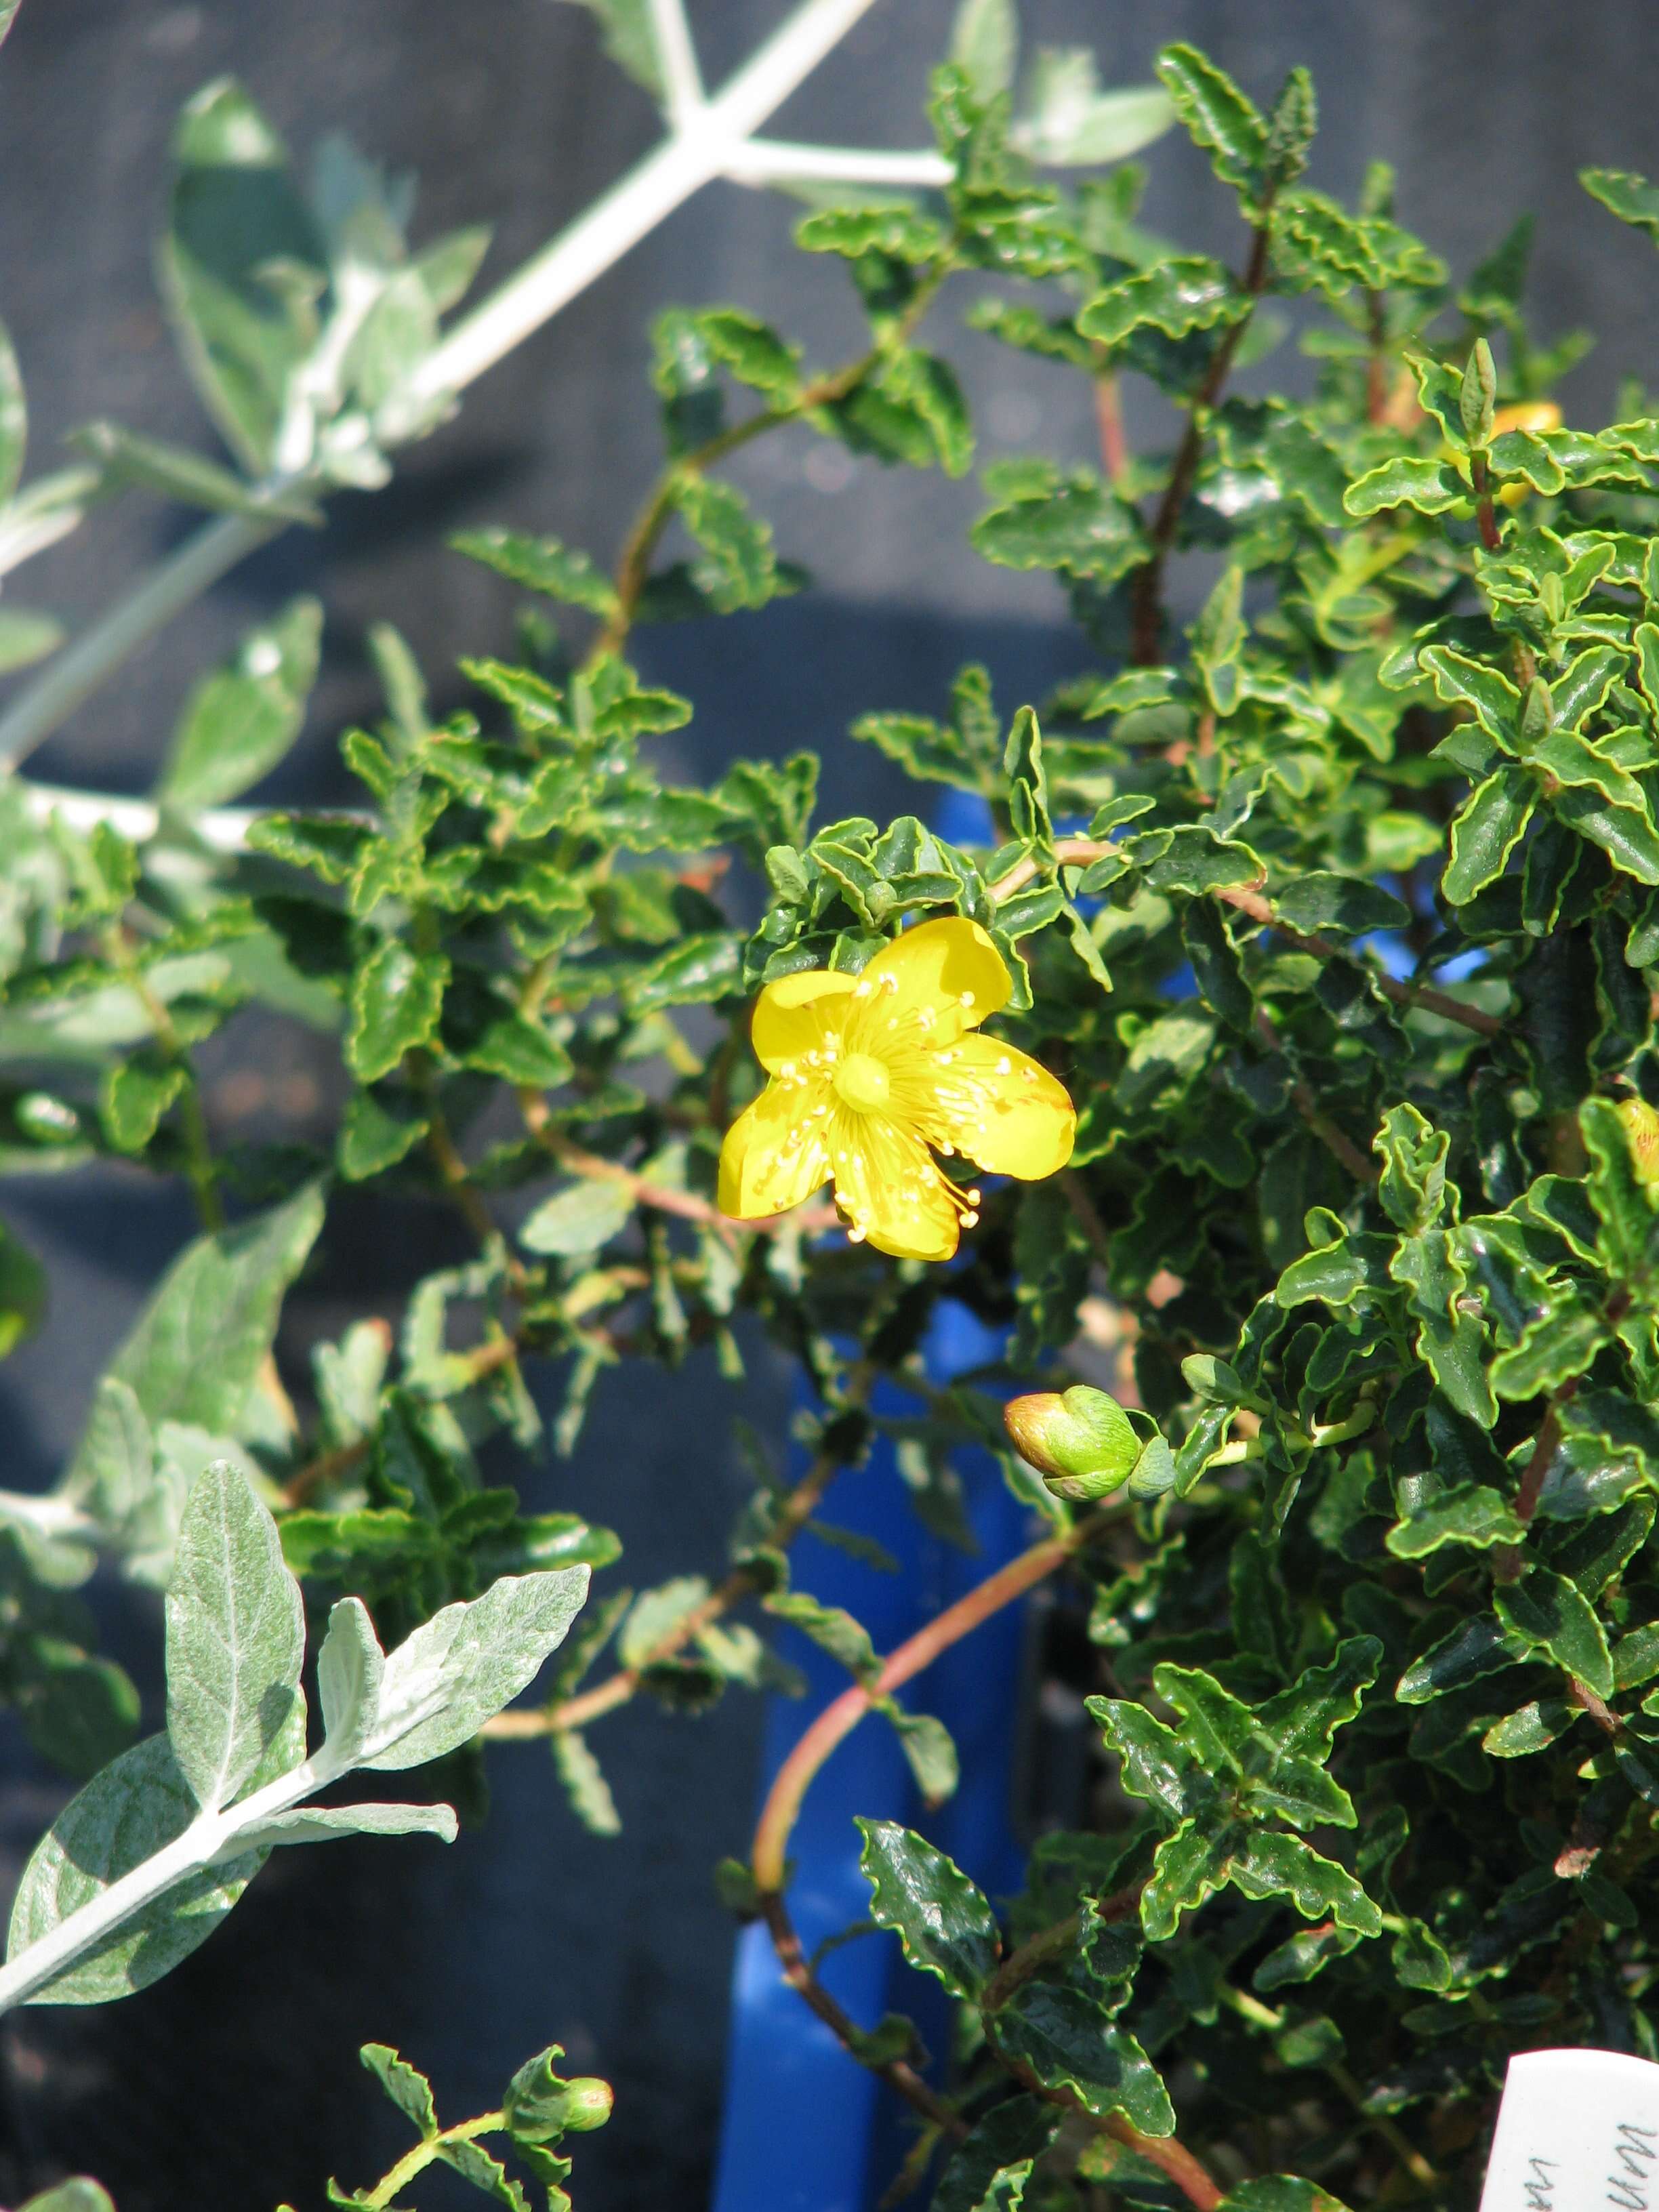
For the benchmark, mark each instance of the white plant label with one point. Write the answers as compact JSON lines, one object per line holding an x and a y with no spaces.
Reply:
{"x":1577,"y":2131}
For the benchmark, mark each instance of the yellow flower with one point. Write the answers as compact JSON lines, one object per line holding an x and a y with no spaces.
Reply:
{"x":869,"y":1071}
{"x":1527,"y":415}
{"x":1641,"y":1127}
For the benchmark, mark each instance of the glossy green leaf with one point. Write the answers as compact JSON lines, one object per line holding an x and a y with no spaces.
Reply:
{"x":1176,"y":297}
{"x":944,"y":1922}
{"x":1470,"y":1514}
{"x":1217,"y":116}
{"x":134,"y":1097}
{"x":1473,"y":1649}
{"x":395,"y":999}
{"x":831,"y":1627}
{"x":1530,"y":1728}
{"x":541,"y":564}
{"x":1429,"y":487}
{"x":410,"y":2091}
{"x":1486,"y":832}
{"x":1449,"y":1338}
{"x":1081,"y":530}
{"x":1063,"y":2033}
{"x":1626,"y":195}
{"x":1548,"y":1612}
{"x":988,"y":2171}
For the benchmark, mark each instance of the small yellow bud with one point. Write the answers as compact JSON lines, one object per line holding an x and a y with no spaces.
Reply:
{"x":1080,"y":1440}
{"x":1640,"y":1123}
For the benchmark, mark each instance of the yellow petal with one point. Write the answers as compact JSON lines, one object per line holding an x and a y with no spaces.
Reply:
{"x":774,"y":1155}
{"x":994,"y":1105}
{"x":1527,"y":415}
{"x":886,"y":1180}
{"x":928,"y":986}
{"x":798,"y":1014}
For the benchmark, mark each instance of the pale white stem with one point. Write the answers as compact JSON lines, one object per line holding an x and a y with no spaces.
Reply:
{"x":644,"y":199}
{"x":773,"y":160}
{"x":210,"y":1836}
{"x":168,"y":590}
{"x":51,"y":1516}
{"x":682,"y":80}
{"x":692,"y":157}
{"x":223,"y":827}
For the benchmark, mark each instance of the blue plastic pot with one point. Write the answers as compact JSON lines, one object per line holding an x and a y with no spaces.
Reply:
{"x":805,"y":2129}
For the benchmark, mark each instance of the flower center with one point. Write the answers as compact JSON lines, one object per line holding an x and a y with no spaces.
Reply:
{"x":862,"y":1081}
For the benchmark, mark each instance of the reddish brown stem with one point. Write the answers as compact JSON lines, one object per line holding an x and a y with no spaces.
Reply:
{"x":1169,"y":2156}
{"x":1108,"y":422}
{"x":1485,"y":514}
{"x":656,"y":1197}
{"x":1188,"y":2174}
{"x":1508,"y":1563}
{"x":1376,"y":369}
{"x":1398,"y":993}
{"x":792,"y":1516}
{"x":1078,"y":851}
{"x":1538,"y":1466}
{"x":1335,"y":1140}
{"x":1146,"y":600}
{"x":897,"y":2073}
{"x":332,"y":1465}
{"x":1053,"y":1942}
{"x":794,"y":1777}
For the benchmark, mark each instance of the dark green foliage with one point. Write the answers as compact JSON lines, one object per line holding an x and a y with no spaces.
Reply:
{"x":1335,"y":906}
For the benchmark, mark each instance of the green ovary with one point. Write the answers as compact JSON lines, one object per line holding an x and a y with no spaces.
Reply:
{"x":862,"y":1081}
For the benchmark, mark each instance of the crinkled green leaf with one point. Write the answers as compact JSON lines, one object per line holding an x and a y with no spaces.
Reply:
{"x":944,"y":1922}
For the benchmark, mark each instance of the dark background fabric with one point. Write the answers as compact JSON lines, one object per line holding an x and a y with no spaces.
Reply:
{"x":235,"y":2081}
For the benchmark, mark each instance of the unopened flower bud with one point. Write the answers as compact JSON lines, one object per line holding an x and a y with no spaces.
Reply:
{"x":587,"y":2102}
{"x":1080,"y":1440}
{"x":540,"y":2105}
{"x":1640,"y":1124}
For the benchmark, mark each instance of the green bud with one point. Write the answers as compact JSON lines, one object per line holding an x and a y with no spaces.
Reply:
{"x":1079,"y":1440}
{"x":1537,"y":712}
{"x":1290,"y":128}
{"x":540,"y":2107}
{"x":588,"y":2102}
{"x":1478,"y":401}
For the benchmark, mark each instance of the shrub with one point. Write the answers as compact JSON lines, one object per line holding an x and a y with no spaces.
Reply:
{"x":1316,"y":936}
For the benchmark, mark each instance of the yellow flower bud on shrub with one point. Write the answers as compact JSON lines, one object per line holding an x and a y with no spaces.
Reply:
{"x":1080,"y":1440}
